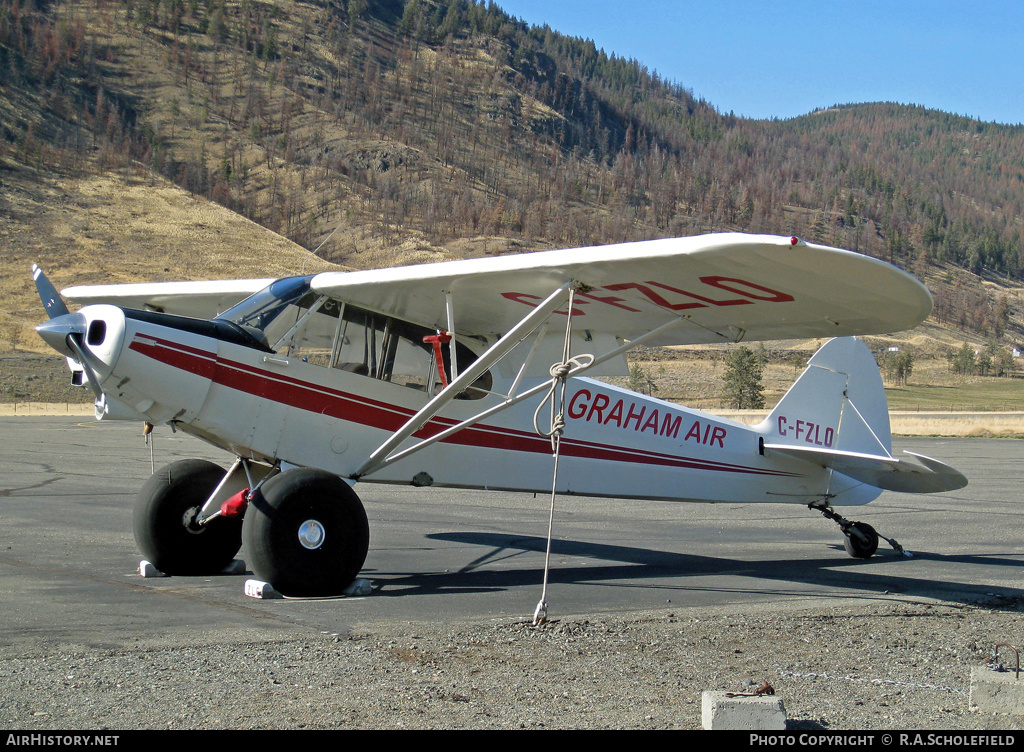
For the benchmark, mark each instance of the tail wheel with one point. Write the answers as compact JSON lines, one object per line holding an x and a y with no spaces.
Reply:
{"x":306,"y":533}
{"x":164,"y":521}
{"x":861,"y":546}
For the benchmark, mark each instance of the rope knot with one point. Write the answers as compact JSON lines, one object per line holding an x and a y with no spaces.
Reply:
{"x":556,"y":395}
{"x":560,"y":370}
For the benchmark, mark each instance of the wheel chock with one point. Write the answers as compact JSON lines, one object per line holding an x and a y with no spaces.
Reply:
{"x":359,"y":587}
{"x":264,"y":590}
{"x":237,"y":566}
{"x":260,"y":589}
{"x":146,"y":569}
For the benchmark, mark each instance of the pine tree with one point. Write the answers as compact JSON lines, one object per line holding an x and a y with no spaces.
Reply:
{"x":640,"y":380}
{"x":963,"y":361}
{"x":743,"y":389}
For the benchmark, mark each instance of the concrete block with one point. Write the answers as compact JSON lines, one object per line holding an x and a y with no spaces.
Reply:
{"x":760,"y":713}
{"x":996,"y":691}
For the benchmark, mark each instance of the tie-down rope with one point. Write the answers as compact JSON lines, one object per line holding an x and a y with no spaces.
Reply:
{"x":556,"y":395}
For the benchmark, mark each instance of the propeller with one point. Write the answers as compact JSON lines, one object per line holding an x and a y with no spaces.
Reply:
{"x":65,"y":330}
{"x":52,"y":301}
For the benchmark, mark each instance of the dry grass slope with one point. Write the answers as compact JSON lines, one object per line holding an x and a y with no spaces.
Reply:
{"x":114,"y":228}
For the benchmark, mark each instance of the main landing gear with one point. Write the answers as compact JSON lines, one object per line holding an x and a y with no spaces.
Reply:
{"x":305,"y":530}
{"x":165,"y":526}
{"x":860,"y":539}
{"x":306,"y":533}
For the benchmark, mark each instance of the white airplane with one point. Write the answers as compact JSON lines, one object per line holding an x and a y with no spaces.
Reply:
{"x":439,"y":374}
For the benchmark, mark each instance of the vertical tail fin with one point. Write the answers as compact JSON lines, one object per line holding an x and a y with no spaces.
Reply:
{"x":836,"y":415}
{"x":838,"y":403}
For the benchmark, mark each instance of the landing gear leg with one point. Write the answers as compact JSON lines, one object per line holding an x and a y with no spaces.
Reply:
{"x":861,"y":540}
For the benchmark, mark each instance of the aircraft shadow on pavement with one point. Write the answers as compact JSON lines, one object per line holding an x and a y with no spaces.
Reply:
{"x":629,"y":566}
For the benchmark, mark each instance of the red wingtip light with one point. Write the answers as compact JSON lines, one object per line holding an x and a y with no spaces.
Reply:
{"x":794,"y":240}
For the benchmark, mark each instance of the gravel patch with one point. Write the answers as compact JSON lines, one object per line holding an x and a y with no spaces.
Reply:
{"x":885,"y":665}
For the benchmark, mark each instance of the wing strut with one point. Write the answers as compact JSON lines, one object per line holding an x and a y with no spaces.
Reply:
{"x":454,"y":361}
{"x":492,"y":355}
{"x":381,"y":457}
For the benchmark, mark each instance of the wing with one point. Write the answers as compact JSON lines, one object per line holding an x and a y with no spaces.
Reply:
{"x":726,"y":287}
{"x":197,"y":299}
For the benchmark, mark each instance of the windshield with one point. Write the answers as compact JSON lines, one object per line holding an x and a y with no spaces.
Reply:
{"x":259,"y":312}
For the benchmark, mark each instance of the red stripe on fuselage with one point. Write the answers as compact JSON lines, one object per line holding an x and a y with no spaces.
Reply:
{"x":324,"y":400}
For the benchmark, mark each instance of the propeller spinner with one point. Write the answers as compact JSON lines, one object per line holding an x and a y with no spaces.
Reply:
{"x":64,"y":331}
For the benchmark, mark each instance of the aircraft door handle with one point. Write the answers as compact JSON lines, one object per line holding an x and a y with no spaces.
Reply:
{"x":276,"y":361}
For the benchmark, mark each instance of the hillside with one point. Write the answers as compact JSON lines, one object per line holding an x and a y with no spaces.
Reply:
{"x":171,"y":139}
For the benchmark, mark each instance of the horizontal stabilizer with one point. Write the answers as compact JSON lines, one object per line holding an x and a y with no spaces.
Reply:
{"x":888,"y":473}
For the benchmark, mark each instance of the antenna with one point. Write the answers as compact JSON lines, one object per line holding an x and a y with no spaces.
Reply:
{"x":314,"y":253}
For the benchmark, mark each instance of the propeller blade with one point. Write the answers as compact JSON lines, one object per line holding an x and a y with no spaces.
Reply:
{"x":52,"y":301}
{"x":90,"y":374}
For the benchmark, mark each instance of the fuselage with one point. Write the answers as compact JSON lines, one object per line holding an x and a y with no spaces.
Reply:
{"x":216,"y":381}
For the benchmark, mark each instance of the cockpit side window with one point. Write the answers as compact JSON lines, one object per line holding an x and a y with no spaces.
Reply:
{"x":393,"y":350}
{"x":297,"y":322}
{"x":308,"y":329}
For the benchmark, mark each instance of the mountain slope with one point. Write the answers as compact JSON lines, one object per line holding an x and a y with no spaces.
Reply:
{"x":409,"y":131}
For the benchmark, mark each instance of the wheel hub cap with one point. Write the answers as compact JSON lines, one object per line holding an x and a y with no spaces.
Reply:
{"x":188,"y":520}
{"x":311,"y":534}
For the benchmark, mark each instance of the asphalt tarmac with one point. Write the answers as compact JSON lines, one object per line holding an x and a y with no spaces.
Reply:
{"x":68,"y":563}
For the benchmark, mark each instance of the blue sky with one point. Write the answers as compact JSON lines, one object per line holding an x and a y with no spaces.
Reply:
{"x":788,"y":57}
